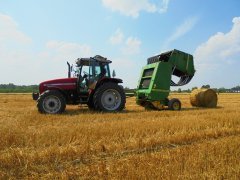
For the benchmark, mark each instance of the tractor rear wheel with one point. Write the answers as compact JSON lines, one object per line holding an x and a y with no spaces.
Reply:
{"x":109,"y":97}
{"x":51,"y":102}
{"x":174,"y":104}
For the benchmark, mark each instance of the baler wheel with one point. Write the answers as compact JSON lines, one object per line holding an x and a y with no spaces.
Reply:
{"x":174,"y":104}
{"x":51,"y":102}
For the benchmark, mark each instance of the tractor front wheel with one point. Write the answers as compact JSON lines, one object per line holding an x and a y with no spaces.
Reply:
{"x":109,"y":97}
{"x":174,"y":104}
{"x":51,"y":102}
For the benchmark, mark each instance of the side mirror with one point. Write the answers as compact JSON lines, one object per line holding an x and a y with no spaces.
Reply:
{"x":113,"y":74}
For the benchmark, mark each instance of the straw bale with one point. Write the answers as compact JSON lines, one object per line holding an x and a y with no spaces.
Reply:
{"x":203,"y":98}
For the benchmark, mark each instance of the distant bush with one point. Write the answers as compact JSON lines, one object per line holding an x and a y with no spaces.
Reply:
{"x":11,"y":88}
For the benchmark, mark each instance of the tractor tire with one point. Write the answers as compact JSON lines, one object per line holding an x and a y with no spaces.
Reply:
{"x":109,"y":97}
{"x":51,"y":102}
{"x":174,"y":104}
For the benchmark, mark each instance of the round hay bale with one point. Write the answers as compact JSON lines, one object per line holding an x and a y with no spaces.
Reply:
{"x":203,"y":98}
{"x":194,"y":99}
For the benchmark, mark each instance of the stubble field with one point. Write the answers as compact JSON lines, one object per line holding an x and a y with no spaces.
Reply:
{"x":194,"y":143}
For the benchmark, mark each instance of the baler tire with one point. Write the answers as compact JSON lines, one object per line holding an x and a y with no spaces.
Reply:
{"x":56,"y":96}
{"x":113,"y":88}
{"x":174,"y":104}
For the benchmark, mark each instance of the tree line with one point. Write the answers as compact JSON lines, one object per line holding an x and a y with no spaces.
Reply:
{"x":235,"y":89}
{"x":11,"y":88}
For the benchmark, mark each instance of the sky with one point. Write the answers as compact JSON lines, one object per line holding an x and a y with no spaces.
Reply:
{"x":37,"y":38}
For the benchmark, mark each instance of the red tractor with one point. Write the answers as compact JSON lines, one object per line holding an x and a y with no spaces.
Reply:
{"x":92,"y":84}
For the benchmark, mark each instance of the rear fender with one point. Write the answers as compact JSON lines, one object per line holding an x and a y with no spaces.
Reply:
{"x":105,"y":80}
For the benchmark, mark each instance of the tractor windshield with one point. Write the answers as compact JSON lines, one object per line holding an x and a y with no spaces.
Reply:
{"x":100,"y":70}
{"x":90,"y":71}
{"x":93,"y":70}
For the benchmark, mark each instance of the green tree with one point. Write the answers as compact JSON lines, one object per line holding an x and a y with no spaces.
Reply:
{"x":194,"y":88}
{"x":179,"y":90}
{"x":206,"y":86}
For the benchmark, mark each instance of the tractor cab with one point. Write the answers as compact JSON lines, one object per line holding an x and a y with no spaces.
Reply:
{"x":90,"y":70}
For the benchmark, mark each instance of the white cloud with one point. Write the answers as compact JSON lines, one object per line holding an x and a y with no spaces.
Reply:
{"x":14,"y":44}
{"x":134,"y":7}
{"x":9,"y":32}
{"x":117,"y":37}
{"x":128,"y":69}
{"x":52,"y":60}
{"x":181,"y":30}
{"x":164,"y":6}
{"x":21,"y":65}
{"x":124,"y":62}
{"x":132,"y":46}
{"x":217,"y":59}
{"x":129,"y":45}
{"x":16,"y":59}
{"x":220,"y":48}
{"x":67,"y":50}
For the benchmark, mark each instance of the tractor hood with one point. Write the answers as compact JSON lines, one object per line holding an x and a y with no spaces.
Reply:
{"x":58,"y":84}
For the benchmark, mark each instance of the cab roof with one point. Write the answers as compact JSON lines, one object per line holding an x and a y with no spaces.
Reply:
{"x":97,"y":58}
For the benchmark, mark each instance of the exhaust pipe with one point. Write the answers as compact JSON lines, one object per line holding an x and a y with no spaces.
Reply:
{"x":69,"y":70}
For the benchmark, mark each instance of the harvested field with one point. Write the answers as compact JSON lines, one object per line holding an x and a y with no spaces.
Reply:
{"x":194,"y":143}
